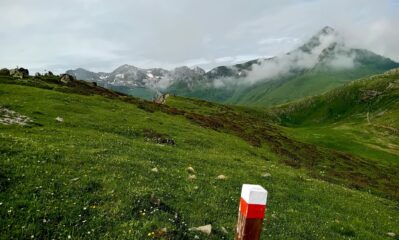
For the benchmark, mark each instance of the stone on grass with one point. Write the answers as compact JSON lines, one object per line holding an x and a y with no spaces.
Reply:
{"x":161,"y":232}
{"x":224,"y":230}
{"x":192,"y":177}
{"x":8,"y":117}
{"x":266,"y":175}
{"x":59,"y":119}
{"x":155,"y":200}
{"x":207,"y":229}
{"x":155,"y":170}
{"x":391,"y":234}
{"x":66,"y":78}
{"x":221,"y":177}
{"x":190,"y":170}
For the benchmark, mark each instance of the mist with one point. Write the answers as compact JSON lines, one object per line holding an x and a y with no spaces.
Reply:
{"x":295,"y":60}
{"x":101,"y":35}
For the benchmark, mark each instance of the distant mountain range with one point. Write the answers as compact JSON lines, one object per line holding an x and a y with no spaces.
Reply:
{"x":320,"y":64}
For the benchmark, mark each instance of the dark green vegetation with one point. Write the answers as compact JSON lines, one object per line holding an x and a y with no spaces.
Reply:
{"x":92,"y":175}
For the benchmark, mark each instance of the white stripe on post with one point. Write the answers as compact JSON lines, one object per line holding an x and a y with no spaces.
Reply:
{"x":251,"y":213}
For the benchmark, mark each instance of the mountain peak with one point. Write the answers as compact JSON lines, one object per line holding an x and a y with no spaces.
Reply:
{"x":326,"y":37}
{"x":327,"y":30}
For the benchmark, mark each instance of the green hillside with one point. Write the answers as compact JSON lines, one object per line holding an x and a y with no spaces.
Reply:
{"x":360,"y":118}
{"x":82,"y":161}
{"x":307,"y":83}
{"x":315,"y":67}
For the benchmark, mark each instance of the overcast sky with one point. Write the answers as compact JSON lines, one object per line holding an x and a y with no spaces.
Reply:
{"x":100,"y":34}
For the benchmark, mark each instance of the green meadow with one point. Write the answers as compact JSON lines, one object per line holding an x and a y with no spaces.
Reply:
{"x":115,"y":167}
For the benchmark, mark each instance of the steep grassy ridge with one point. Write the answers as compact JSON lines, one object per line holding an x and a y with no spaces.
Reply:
{"x":360,"y":118}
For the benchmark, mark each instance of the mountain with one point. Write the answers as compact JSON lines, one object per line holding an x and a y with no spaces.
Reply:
{"x":322,"y":63}
{"x":144,"y":83}
{"x":84,"y":162}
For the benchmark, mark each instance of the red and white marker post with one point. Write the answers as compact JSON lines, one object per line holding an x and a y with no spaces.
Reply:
{"x":251,"y":213}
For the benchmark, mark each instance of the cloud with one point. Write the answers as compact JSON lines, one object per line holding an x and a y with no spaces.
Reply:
{"x":298,"y":59}
{"x":101,"y":34}
{"x":280,"y":40}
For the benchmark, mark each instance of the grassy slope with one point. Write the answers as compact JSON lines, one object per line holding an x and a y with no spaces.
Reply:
{"x":309,"y":83}
{"x":358,"y":118}
{"x":90,"y":176}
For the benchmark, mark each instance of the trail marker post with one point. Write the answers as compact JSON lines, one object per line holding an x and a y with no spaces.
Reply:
{"x":251,"y":212}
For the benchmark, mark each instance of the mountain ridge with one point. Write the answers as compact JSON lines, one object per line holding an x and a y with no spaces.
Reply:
{"x":310,"y":69}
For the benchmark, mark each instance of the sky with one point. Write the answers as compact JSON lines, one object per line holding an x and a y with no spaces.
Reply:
{"x":101,"y":35}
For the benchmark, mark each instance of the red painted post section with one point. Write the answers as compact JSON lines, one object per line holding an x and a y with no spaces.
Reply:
{"x":252,"y":212}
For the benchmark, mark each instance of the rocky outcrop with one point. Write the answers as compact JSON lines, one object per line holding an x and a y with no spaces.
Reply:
{"x":19,"y":73}
{"x":162,"y":99}
{"x":66,"y":78}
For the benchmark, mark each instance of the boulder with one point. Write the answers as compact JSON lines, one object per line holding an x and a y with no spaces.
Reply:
{"x":59,"y":119}
{"x":265,"y":175}
{"x":190,"y":170}
{"x":192,"y":177}
{"x":19,"y":73}
{"x":66,"y":78}
{"x":207,"y":229}
{"x":221,"y":177}
{"x":162,"y":99}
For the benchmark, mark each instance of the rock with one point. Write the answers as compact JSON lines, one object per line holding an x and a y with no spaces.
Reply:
{"x":190,"y":170}
{"x":391,"y":234}
{"x":19,"y":73}
{"x":192,"y":177}
{"x":207,"y":229}
{"x":8,"y":117}
{"x":266,"y":175}
{"x":59,"y":119}
{"x":161,"y":232}
{"x":66,"y":78}
{"x":38,"y":74}
{"x":224,"y":230}
{"x":221,"y":177}
{"x":155,"y":200}
{"x":4,"y":72}
{"x":162,"y":99}
{"x":155,"y":170}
